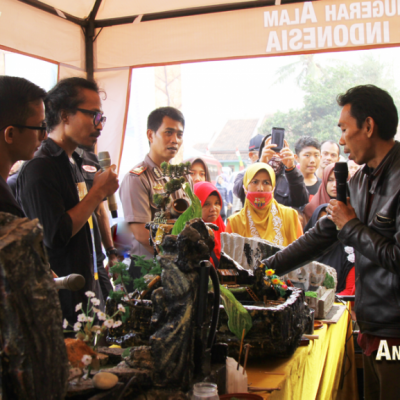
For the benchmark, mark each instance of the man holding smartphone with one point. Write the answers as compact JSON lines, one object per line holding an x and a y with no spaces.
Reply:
{"x":290,"y":189}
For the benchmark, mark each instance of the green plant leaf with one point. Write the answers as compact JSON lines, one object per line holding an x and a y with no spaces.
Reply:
{"x":194,"y":211}
{"x":238,"y":317}
{"x":126,"y":352}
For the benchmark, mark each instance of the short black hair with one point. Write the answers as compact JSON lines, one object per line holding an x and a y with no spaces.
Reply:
{"x":155,"y":118}
{"x":306,"y":141}
{"x":16,"y":94}
{"x":65,"y":96}
{"x":371,"y":101}
{"x":331,"y":142}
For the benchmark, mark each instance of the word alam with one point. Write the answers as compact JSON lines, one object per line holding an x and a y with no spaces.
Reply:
{"x":336,"y":35}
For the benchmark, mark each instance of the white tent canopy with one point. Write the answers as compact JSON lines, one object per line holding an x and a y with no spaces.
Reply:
{"x":129,"y":34}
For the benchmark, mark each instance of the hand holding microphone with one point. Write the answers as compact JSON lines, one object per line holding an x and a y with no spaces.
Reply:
{"x":107,"y":181}
{"x":340,"y":210}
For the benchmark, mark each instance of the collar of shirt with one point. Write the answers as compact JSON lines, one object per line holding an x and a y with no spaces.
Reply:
{"x":376,"y":175}
{"x":50,"y":147}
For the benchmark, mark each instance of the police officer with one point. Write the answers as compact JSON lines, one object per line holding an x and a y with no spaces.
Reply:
{"x":165,"y":127}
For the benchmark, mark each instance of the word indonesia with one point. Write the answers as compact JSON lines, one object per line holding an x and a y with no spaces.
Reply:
{"x":339,"y":35}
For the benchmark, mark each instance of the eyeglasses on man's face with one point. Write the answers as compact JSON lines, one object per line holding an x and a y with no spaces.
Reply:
{"x":98,"y":117}
{"x":42,"y":128}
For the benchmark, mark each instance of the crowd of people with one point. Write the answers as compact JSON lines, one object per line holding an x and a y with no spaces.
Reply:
{"x":281,"y":195}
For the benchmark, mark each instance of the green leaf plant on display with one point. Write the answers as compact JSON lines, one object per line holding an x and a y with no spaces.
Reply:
{"x":311,"y":294}
{"x":329,"y":282}
{"x":194,"y":211}
{"x":148,"y":267}
{"x":238,"y":316}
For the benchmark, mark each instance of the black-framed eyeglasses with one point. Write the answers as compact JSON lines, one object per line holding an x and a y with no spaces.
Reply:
{"x":98,"y":117}
{"x":42,"y":128}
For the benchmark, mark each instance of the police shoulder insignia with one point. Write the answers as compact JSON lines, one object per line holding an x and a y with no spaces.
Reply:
{"x":138,"y":171}
{"x":157,"y":172}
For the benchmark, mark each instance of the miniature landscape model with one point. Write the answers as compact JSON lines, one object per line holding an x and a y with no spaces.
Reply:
{"x":175,"y":327}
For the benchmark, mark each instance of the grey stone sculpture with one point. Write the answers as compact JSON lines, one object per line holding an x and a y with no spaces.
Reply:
{"x":34,"y":362}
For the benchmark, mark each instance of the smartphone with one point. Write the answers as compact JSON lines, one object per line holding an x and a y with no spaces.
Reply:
{"x":277,"y":137}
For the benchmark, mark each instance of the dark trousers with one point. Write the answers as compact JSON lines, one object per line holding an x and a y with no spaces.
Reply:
{"x":381,"y":378}
{"x":104,"y":281}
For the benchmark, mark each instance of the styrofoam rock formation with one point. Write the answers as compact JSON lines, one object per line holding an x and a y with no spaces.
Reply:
{"x":245,"y":251}
{"x":311,"y":275}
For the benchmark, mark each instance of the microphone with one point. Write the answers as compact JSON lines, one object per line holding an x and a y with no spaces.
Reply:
{"x":105,"y":163}
{"x":71,"y":282}
{"x":341,"y":174}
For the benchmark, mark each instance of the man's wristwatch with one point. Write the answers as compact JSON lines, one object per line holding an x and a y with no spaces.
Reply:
{"x":112,"y":251}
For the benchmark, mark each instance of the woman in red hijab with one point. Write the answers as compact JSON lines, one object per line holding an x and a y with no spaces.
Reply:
{"x":211,"y":207}
{"x":326,"y":191}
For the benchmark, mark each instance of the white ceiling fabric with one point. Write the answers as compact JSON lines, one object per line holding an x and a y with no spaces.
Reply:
{"x":35,"y":32}
{"x":122,"y":8}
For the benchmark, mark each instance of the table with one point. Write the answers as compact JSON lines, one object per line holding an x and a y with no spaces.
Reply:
{"x":314,"y":371}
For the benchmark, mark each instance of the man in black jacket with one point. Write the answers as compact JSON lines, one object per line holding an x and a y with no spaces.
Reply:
{"x":371,"y":225}
{"x":290,"y":189}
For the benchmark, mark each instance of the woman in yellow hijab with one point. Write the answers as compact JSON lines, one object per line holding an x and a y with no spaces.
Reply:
{"x":262,"y":216}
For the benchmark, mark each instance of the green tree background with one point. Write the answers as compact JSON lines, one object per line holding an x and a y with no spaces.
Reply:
{"x":321,"y":85}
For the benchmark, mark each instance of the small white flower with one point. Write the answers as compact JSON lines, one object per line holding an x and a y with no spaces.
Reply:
{"x":96,"y":310}
{"x":90,"y":319}
{"x":349,"y":250}
{"x":78,"y":307}
{"x":95,"y":301}
{"x":117,"y":324}
{"x":65,"y":324}
{"x":101,"y":316}
{"x":121,"y":308}
{"x":109,"y":323}
{"x":86,"y":360}
{"x":89,"y":294}
{"x":82,"y":318}
{"x":126,"y":298}
{"x":351,"y":258}
{"x":77,"y":326}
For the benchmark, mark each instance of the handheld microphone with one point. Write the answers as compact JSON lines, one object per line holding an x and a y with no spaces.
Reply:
{"x":71,"y":282}
{"x":105,"y":163}
{"x":341,"y":174}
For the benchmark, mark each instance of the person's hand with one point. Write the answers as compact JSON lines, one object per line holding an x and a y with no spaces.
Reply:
{"x":287,"y":156}
{"x":267,"y":152}
{"x":106,"y":182}
{"x":339,"y":213}
{"x":113,"y":259}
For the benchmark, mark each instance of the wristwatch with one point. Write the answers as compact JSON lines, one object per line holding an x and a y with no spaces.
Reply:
{"x":112,"y":251}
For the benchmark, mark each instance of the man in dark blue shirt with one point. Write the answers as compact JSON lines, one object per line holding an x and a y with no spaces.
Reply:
{"x":22,"y":130}
{"x":51,"y":187}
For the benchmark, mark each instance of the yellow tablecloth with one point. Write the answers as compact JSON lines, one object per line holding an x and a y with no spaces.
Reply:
{"x":314,"y":371}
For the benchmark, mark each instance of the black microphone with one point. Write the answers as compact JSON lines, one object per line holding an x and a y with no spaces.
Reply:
{"x":341,"y":174}
{"x":105,"y":163}
{"x":71,"y":282}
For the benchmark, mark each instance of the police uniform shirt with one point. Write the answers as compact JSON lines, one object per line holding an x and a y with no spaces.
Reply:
{"x":136,"y":194}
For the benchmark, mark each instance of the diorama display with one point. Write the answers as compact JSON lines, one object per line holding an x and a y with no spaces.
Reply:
{"x":175,"y":329}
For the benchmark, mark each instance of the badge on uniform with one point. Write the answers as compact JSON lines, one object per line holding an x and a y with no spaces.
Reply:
{"x":157,"y":172}
{"x":138,"y":171}
{"x":89,"y":168}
